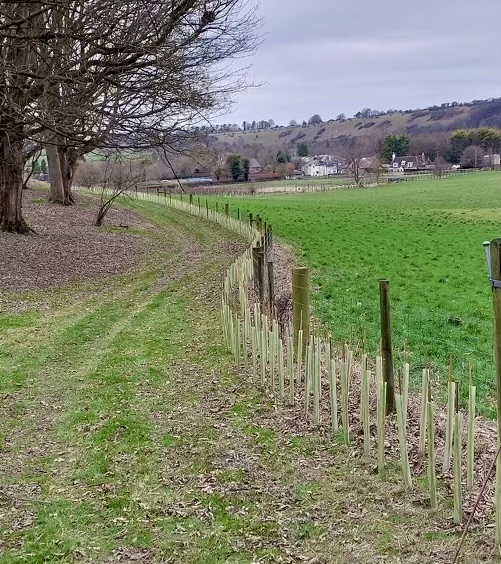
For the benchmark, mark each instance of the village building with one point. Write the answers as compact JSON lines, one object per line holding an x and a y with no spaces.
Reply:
{"x":408,"y":163}
{"x":321,"y":165}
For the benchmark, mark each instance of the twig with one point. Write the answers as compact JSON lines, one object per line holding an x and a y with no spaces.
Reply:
{"x":470,"y":519}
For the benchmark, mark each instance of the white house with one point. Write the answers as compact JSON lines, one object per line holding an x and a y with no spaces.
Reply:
{"x":320,"y":165}
{"x":408,"y":162}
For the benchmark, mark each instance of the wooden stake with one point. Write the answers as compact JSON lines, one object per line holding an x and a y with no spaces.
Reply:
{"x":301,"y":306}
{"x":271,"y":288}
{"x":387,"y":352}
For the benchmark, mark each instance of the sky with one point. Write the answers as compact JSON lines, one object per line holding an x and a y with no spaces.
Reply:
{"x":338,"y":56}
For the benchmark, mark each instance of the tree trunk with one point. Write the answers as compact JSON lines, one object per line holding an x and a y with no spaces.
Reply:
{"x":55,"y":177}
{"x":11,"y":183}
{"x":68,"y":161}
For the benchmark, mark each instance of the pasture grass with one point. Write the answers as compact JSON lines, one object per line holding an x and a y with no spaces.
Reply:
{"x":426,"y":238}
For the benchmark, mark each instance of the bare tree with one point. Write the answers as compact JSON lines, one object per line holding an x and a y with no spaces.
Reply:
{"x":89,"y":174}
{"x":439,"y":166}
{"x":82,"y":74}
{"x":355,"y":150}
{"x":472,"y":157}
{"x":119,"y":176}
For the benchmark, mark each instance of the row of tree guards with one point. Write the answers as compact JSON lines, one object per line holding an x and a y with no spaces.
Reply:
{"x":307,"y":371}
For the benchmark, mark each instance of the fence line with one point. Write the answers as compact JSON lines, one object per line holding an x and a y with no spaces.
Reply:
{"x":253,"y":335}
{"x":303,"y":185}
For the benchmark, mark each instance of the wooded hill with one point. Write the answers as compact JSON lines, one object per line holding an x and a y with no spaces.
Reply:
{"x":423,"y":124}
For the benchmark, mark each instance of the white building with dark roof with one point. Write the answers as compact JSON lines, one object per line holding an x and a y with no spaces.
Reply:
{"x":321,"y":165}
{"x":408,"y":162}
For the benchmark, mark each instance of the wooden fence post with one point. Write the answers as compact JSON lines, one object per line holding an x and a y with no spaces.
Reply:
{"x":258,"y":259}
{"x":250,"y":219}
{"x":387,"y":352}
{"x":255,"y":263}
{"x":191,"y":199}
{"x":301,"y":307}
{"x":217,"y":207}
{"x":495,"y":274}
{"x":227,"y":209}
{"x":261,"y":276}
{"x":271,"y":288}
{"x":207,"y":207}
{"x":238,"y":214}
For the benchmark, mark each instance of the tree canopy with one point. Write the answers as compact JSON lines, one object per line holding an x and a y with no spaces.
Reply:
{"x":77,"y":75}
{"x":398,"y":144}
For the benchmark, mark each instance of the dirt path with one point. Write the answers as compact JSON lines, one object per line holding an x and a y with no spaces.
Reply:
{"x":127,"y":436}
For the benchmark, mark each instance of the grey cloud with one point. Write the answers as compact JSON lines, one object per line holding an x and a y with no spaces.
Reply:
{"x":326,"y":57}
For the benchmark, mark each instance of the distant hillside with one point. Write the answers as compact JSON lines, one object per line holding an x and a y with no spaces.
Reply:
{"x":324,"y":136}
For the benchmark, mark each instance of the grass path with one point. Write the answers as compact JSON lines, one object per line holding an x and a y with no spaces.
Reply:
{"x":127,"y":436}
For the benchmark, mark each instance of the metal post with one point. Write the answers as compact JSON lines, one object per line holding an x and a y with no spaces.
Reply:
{"x":495,"y":265}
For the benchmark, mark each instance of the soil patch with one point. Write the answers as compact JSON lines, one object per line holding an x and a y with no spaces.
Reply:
{"x":67,"y":247}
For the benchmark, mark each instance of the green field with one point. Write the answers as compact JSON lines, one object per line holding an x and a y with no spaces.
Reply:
{"x":426,"y":238}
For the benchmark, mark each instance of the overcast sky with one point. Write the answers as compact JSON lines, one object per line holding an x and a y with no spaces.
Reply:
{"x":326,"y":57}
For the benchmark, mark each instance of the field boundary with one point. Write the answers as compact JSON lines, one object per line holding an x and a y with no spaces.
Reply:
{"x":299,"y":186}
{"x":347,"y":399}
